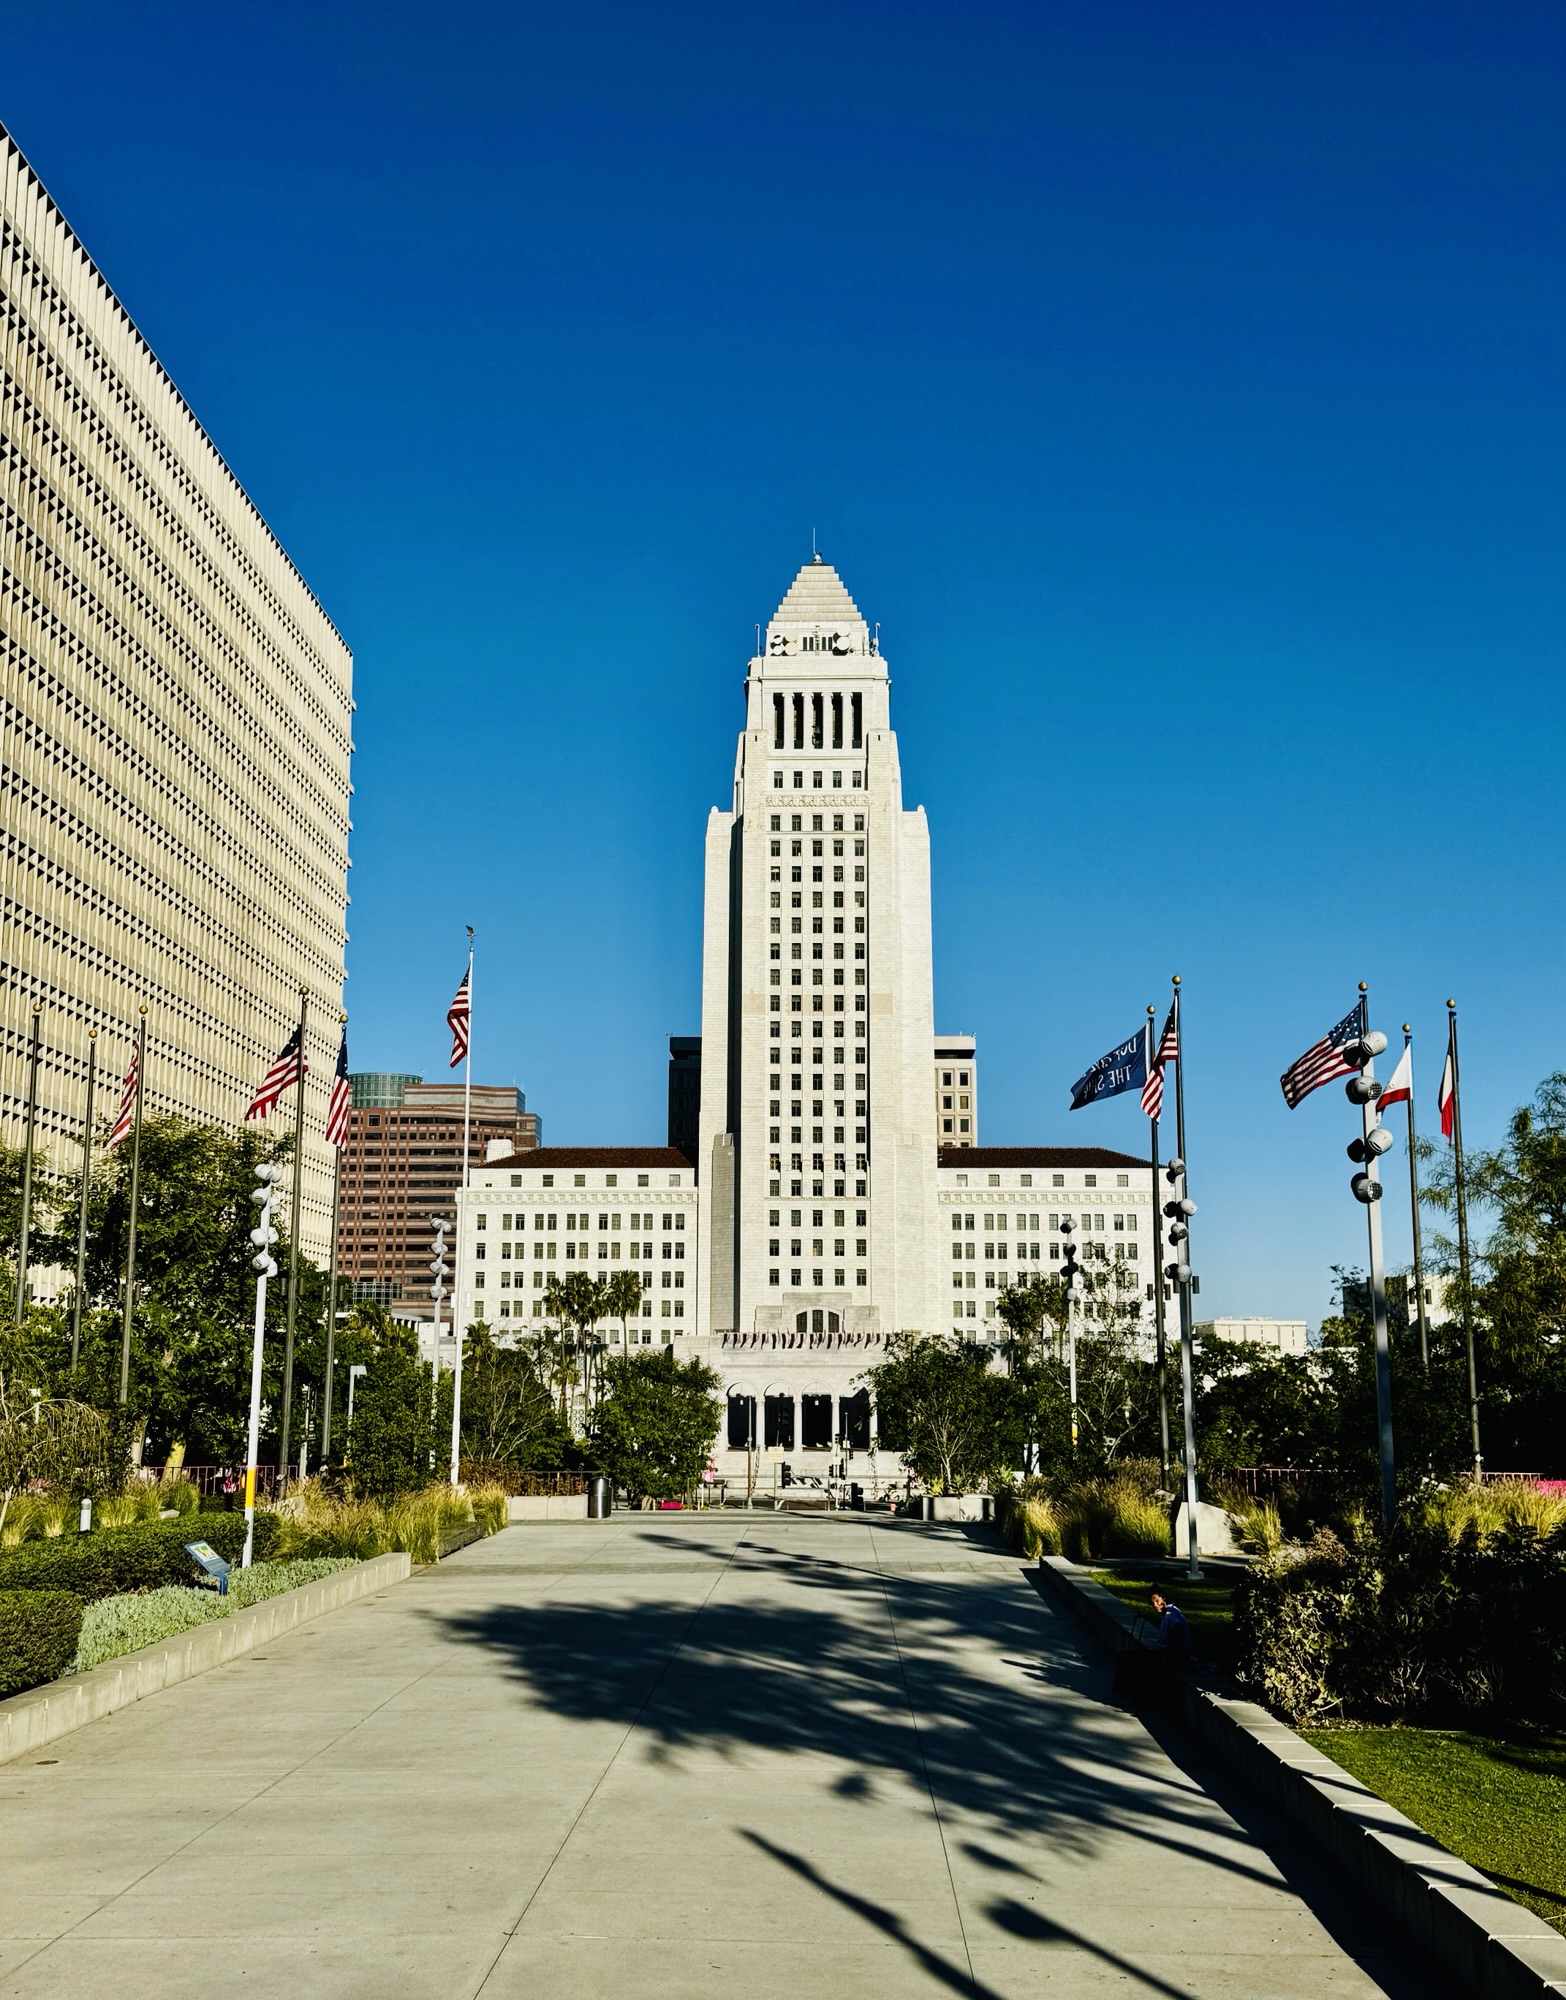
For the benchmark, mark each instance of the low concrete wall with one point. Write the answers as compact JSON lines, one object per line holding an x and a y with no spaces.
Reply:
{"x":548,"y":1507}
{"x":1493,"y":1946}
{"x":28,"y":1721}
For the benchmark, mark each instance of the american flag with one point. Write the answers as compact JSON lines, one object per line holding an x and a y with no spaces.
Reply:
{"x":1168,"y":1051}
{"x":291,"y":1066}
{"x":125,"y":1117}
{"x":457,"y":1020}
{"x":1321,"y":1062}
{"x":342,"y":1096}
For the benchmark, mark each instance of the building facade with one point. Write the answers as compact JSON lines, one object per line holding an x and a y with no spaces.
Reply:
{"x":402,"y":1167}
{"x":824,"y":1188}
{"x":176,"y":716}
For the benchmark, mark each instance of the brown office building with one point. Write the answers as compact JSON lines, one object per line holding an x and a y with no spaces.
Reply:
{"x":403,"y":1165}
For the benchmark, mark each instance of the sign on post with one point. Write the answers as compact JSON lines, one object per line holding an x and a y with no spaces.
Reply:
{"x":209,"y":1559}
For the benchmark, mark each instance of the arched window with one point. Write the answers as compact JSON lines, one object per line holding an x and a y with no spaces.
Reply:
{"x":834,"y":1324}
{"x":801,"y":1322}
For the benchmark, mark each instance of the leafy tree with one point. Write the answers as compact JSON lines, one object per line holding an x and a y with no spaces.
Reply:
{"x":1034,"y":1316}
{"x":508,"y":1414}
{"x":1117,"y":1386}
{"x":656,"y":1423}
{"x":940,"y":1404}
{"x":398,"y":1440}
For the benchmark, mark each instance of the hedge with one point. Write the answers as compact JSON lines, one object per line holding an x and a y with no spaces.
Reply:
{"x":148,"y":1556}
{"x":115,"y":1626}
{"x":1417,"y":1627}
{"x":39,"y":1630}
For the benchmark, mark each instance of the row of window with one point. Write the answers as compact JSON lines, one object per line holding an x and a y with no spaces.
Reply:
{"x":995,"y":1218}
{"x":547,"y":1218}
{"x":609,"y":1180}
{"x":667,"y":1280}
{"x":994,"y":1250}
{"x":1055,"y":1180}
{"x":818,"y":1278}
{"x":818,"y":1248}
{"x":816,"y":1433}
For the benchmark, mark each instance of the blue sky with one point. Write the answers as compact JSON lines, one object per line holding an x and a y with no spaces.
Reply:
{"x":1181,"y":389}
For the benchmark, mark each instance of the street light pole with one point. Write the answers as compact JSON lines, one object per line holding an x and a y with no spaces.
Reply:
{"x":263,"y":1236}
{"x":1413,"y":1200}
{"x":293,"y":1242}
{"x":140,"y":1060}
{"x":1366,"y":1151}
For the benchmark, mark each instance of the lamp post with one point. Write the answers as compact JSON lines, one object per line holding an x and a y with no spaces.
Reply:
{"x":263,"y":1236}
{"x":1366,"y":1151}
{"x":355,"y":1370}
{"x":1068,"y":1277}
{"x":438,"y":1269}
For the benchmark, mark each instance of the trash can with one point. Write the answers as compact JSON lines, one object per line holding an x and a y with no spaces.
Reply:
{"x":600,"y":1498}
{"x":856,"y":1496}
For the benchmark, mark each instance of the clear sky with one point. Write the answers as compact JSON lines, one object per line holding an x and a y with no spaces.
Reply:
{"x":1180,"y":388}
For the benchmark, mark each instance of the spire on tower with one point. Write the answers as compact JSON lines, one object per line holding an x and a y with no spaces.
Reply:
{"x":817,"y":597}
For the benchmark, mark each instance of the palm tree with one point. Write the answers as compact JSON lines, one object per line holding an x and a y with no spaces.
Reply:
{"x":623,"y":1299}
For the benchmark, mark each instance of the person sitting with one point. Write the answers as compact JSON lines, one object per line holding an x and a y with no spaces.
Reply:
{"x":1174,"y":1633}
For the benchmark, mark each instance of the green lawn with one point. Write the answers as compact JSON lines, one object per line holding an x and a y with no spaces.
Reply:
{"x":1498,"y":1802}
{"x":1208,"y":1605}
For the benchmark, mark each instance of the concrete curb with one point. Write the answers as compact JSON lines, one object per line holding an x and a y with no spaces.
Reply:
{"x":28,"y":1721}
{"x":1493,"y":1946}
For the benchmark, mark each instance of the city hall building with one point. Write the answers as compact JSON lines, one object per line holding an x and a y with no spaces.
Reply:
{"x":824,"y":1188}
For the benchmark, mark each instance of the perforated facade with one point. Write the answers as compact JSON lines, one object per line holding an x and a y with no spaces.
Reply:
{"x":175,"y":724}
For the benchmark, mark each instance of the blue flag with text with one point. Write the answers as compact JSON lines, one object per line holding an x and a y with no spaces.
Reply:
{"x":1122,"y":1069}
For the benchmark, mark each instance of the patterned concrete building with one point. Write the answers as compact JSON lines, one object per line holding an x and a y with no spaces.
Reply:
{"x":175,"y":724}
{"x":822,"y":1204}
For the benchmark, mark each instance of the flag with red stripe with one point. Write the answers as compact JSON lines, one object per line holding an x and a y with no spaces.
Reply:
{"x":1400,"y":1084}
{"x":1321,"y":1062}
{"x":457,"y":1020}
{"x":1168,"y":1051}
{"x":341,"y":1098}
{"x":1447,"y":1099}
{"x":291,"y":1067}
{"x":125,"y":1117}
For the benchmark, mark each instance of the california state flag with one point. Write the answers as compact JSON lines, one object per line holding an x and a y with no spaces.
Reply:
{"x":1400,"y":1085}
{"x":1448,"y":1098}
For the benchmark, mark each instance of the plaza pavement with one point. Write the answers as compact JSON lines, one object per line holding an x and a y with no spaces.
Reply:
{"x":666,"y":1755}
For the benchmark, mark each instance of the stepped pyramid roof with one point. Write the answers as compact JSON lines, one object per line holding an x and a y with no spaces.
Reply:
{"x":817,"y":597}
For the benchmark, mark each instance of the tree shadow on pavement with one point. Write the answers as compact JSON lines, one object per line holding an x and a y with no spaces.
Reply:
{"x":964,"y":1688}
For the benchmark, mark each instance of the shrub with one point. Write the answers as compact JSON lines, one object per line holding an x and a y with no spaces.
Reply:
{"x":32,"y":1516}
{"x":318,"y":1524}
{"x":1258,"y":1524}
{"x":148,"y":1556}
{"x":115,"y":1626}
{"x":1025,"y":1515}
{"x":1113,"y":1516}
{"x":1426,"y":1623}
{"x":124,"y":1624}
{"x":38,"y":1635}
{"x":491,"y":1508}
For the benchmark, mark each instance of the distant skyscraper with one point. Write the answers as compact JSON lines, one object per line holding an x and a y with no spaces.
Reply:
{"x":176,"y":731}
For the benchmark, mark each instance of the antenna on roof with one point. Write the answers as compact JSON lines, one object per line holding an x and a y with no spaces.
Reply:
{"x":815,"y":553}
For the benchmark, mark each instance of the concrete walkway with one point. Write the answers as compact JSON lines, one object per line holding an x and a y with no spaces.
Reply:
{"x":757,"y":1756}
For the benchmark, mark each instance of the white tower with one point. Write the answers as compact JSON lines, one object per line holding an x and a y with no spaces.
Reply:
{"x":816,"y":1151}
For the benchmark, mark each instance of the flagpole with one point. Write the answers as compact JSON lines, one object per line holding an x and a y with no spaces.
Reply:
{"x":1183,"y":1256}
{"x":293,"y":1243}
{"x":1464,"y":1278}
{"x":467,"y":1182}
{"x":27,"y":1162}
{"x":331,"y":1290}
{"x":1158,"y":1292}
{"x":1378,"y":1291}
{"x":81,"y":1213}
{"x":140,"y":1059}
{"x":1413,"y":1200}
